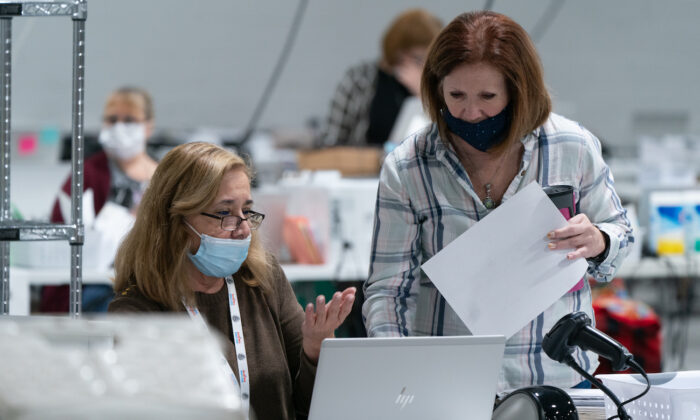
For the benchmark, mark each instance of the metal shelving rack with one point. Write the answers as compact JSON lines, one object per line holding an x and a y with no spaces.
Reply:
{"x":13,"y":230}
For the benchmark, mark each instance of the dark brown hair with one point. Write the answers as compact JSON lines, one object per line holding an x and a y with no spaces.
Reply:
{"x":495,"y":39}
{"x":412,"y":28}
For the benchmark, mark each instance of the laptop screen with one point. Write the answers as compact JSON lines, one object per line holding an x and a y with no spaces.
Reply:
{"x":407,"y":378}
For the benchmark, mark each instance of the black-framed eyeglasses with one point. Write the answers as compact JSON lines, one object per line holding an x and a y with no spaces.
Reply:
{"x":231,"y":223}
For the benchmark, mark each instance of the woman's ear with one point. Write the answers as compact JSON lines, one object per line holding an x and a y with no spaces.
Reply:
{"x":149,"y":129}
{"x":192,"y":240}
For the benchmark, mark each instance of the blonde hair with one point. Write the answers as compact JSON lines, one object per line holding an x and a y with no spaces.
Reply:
{"x":154,"y":253}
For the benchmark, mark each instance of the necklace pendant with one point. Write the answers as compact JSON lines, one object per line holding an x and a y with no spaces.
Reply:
{"x":488,"y":201}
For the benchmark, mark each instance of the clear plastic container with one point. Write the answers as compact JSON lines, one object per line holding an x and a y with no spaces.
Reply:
{"x":673,"y":395}
{"x":98,"y":252}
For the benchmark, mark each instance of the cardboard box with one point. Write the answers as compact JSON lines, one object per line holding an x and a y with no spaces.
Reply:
{"x":350,"y":161}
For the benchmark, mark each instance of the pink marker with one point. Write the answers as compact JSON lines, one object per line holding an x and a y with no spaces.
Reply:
{"x":563,"y":197}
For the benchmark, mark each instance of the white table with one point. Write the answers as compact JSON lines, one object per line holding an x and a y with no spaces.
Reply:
{"x":660,"y":267}
{"x":22,"y":278}
{"x":309,"y":272}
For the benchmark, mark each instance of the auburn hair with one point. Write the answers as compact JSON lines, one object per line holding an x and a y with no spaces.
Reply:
{"x":414,"y":28}
{"x":495,"y":39}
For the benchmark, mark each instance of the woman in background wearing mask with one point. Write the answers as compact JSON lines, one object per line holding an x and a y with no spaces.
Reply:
{"x":194,"y":247}
{"x":118,"y":174}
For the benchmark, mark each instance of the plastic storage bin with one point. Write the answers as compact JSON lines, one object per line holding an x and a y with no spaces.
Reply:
{"x":98,"y":252}
{"x":673,"y":395}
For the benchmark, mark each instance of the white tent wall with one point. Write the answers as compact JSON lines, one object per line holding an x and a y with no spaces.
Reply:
{"x":207,"y":62}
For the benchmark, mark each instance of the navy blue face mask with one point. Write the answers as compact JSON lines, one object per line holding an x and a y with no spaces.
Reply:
{"x":482,"y":135}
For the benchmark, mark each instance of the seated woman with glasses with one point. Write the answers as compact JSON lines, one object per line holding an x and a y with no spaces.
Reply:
{"x":194,"y":248}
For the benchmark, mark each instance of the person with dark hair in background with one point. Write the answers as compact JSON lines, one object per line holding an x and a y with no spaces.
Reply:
{"x":368,"y":99}
{"x":493,"y":133}
{"x":118,"y":174}
{"x":194,"y":248}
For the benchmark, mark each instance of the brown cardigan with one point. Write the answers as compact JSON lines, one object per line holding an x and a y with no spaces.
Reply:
{"x":281,"y":376}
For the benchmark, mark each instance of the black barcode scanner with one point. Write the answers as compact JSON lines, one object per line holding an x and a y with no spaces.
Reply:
{"x":574,"y":330}
{"x":571,"y":331}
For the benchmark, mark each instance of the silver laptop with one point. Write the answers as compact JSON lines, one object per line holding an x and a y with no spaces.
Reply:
{"x":407,"y":378}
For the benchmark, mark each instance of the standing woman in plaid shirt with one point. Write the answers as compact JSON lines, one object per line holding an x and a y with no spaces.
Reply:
{"x":493,"y":133}
{"x":368,"y":99}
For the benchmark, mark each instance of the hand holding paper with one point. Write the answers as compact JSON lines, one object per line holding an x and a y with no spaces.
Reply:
{"x":500,"y":274}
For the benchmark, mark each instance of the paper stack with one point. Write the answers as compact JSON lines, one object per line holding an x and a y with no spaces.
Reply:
{"x":590,"y":403}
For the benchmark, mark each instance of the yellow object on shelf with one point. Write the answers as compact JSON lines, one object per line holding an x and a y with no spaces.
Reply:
{"x":670,"y":247}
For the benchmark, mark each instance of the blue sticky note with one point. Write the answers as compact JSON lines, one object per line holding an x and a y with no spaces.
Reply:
{"x":49,"y":135}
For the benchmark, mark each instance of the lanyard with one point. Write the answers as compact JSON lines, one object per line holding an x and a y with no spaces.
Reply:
{"x":238,"y":343}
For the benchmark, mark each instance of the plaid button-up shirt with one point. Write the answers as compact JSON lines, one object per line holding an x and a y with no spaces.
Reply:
{"x":425,"y":200}
{"x":348,"y":118}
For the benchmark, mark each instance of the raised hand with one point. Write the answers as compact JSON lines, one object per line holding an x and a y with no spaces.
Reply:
{"x":322,"y":322}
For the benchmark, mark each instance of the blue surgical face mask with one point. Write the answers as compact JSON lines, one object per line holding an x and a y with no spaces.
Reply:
{"x":482,"y":135}
{"x":219,"y":257}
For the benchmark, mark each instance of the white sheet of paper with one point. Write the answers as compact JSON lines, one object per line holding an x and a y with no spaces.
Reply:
{"x":64,"y":204}
{"x":499,"y":275}
{"x":111,"y":225}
